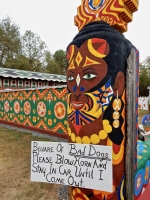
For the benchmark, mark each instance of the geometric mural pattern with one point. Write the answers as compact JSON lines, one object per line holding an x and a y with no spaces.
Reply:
{"x":43,"y":108}
{"x":117,"y":13}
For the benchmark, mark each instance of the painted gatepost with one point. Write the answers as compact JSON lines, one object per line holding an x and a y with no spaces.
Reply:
{"x":102,"y":81}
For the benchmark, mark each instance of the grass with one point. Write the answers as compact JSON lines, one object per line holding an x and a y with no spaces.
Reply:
{"x":15,"y":184}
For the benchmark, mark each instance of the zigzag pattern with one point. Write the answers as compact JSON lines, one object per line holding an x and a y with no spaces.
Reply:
{"x":25,"y":94}
{"x":60,"y":126}
{"x":33,"y":119}
{"x":40,"y":93}
{"x":15,"y":94}
{"x":41,"y":123}
{"x":123,"y":114}
{"x":59,"y":94}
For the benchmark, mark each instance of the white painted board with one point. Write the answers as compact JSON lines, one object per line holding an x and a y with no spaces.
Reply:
{"x":80,"y":165}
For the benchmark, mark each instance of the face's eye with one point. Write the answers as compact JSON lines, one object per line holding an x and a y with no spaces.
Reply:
{"x":70,"y":78}
{"x":89,"y":76}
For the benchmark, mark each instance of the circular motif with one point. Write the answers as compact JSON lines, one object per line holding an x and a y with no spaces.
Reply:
{"x":41,"y":109}
{"x":6,"y":106}
{"x":85,"y":140}
{"x":147,"y":172}
{"x":139,"y":178}
{"x":49,"y":112}
{"x":17,"y":107}
{"x":78,"y":140}
{"x":102,"y":134}
{"x":146,"y":122}
{"x":95,"y":5}
{"x":105,"y":122}
{"x":117,"y":104}
{"x":60,"y":110}
{"x":116,"y":123}
{"x":107,"y":128}
{"x":69,"y":131}
{"x":73,"y":137}
{"x":116,"y":115}
{"x":27,"y":108}
{"x":50,"y":122}
{"x":94,"y":138}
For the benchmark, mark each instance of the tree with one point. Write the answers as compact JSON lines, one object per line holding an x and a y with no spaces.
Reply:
{"x":35,"y":50}
{"x":27,"y":52}
{"x":60,"y":59}
{"x":146,"y":62}
{"x":51,"y":66}
{"x":21,"y":62}
{"x":10,"y":42}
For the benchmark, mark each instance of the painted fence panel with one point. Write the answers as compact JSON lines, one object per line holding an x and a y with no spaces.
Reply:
{"x":43,"y":108}
{"x":143,"y":103}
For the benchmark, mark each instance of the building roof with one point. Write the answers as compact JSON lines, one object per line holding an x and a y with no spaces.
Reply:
{"x":15,"y":73}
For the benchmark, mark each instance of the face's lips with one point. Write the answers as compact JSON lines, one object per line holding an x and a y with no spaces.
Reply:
{"x":77,"y":105}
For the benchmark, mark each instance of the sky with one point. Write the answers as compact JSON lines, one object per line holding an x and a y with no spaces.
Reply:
{"x":53,"y":21}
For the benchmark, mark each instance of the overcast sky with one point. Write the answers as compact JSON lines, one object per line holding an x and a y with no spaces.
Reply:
{"x":53,"y":21}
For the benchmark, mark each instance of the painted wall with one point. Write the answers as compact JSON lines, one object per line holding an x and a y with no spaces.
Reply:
{"x":44,"y":109}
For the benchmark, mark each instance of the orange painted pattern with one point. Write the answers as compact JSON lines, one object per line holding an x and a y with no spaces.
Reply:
{"x":59,"y":94}
{"x":14,"y":110}
{"x":59,"y":125}
{"x":117,"y":13}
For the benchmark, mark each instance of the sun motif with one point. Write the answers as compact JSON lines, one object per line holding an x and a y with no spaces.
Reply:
{"x":6,"y":106}
{"x":27,"y":108}
{"x":60,"y":110}
{"x":17,"y":107}
{"x":41,"y":109}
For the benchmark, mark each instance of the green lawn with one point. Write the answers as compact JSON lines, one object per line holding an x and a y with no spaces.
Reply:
{"x":15,"y":184}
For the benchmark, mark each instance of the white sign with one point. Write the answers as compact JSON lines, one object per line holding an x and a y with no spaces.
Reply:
{"x":79,"y":165}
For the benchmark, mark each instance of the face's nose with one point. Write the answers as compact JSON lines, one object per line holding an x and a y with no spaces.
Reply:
{"x":77,"y":96}
{"x":78,"y":79}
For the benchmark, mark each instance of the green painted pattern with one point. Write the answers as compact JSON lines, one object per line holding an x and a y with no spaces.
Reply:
{"x":42,"y":108}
